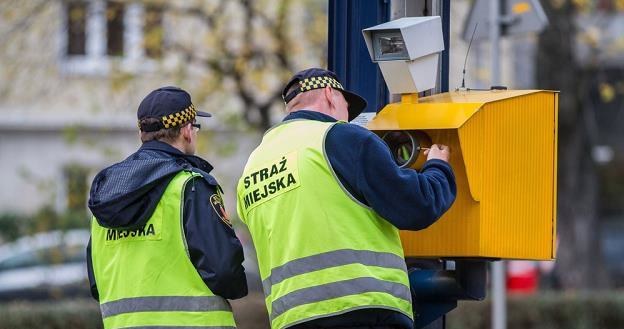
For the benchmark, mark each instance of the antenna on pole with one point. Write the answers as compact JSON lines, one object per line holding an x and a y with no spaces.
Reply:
{"x":463,"y":85}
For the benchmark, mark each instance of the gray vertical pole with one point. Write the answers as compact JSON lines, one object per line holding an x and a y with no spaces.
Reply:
{"x":398,"y":9}
{"x":436,"y":10}
{"x":499,"y":311}
{"x":494,"y":40}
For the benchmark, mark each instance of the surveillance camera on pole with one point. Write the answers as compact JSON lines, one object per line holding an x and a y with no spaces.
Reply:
{"x":407,"y":52}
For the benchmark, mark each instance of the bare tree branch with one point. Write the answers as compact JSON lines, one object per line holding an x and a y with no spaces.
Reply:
{"x":253,"y":62}
{"x":25,"y":22}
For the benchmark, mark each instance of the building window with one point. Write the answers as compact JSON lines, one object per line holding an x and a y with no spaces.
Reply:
{"x":98,"y":34}
{"x":153,"y":32}
{"x":114,"y":28}
{"x":76,"y":28}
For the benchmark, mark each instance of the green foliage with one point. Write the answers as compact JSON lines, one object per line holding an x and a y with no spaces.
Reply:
{"x":77,"y":187}
{"x":75,"y":314}
{"x":47,"y":219}
{"x":12,"y":226}
{"x":70,"y":134}
{"x":548,"y":311}
{"x":120,"y":80}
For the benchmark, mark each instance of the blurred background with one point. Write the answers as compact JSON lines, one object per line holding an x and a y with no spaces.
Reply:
{"x":72,"y":74}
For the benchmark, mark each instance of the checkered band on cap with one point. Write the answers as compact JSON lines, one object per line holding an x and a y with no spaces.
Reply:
{"x":319,"y":82}
{"x":312,"y":83}
{"x":178,"y":118}
{"x":171,"y":120}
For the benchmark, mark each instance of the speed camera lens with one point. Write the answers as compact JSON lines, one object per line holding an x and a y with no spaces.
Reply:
{"x":406,"y":146}
{"x":392,"y":45}
{"x":389,"y":46}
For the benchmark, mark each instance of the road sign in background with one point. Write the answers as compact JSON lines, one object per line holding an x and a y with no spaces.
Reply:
{"x":516,"y":17}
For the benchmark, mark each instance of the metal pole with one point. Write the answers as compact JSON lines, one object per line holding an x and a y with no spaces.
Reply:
{"x":442,"y":8}
{"x":494,"y":40}
{"x":398,"y":9}
{"x":499,"y":310}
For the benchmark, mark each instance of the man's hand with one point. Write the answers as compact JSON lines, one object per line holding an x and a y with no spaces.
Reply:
{"x":441,"y":152}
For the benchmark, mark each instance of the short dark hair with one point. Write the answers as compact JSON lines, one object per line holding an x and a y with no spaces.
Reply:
{"x":165,"y":134}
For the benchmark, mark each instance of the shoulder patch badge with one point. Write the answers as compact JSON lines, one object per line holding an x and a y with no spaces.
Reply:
{"x":217,"y":204}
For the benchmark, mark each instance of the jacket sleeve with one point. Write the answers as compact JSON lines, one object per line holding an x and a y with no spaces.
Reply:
{"x":215,"y":251}
{"x":408,"y":199}
{"x":92,"y":285}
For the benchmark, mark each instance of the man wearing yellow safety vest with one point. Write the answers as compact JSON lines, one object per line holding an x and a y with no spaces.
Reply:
{"x":323,"y":200}
{"x":163,"y":253}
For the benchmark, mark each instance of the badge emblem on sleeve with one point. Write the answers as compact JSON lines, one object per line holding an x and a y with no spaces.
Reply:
{"x":217,"y":204}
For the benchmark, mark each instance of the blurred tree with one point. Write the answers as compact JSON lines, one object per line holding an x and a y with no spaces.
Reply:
{"x":77,"y":187}
{"x":240,"y":51}
{"x":580,"y":263}
{"x":251,"y":48}
{"x":79,"y":59}
{"x":10,"y":226}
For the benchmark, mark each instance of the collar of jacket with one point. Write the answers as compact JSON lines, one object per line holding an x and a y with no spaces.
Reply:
{"x":309,"y":115}
{"x":194,"y":160}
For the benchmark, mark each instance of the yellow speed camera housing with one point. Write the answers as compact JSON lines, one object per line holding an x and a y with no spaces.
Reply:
{"x":503,"y":152}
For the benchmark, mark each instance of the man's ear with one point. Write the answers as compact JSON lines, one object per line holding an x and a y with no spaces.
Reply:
{"x":186,"y":132}
{"x":329,"y":95}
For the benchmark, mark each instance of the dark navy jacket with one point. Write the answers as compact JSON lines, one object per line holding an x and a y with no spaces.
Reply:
{"x":125,"y":195}
{"x":408,"y":199}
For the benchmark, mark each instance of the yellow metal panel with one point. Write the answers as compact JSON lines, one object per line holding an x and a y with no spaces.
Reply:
{"x":556,"y":138}
{"x":473,"y":96}
{"x":400,"y":116}
{"x":471,"y":137}
{"x":440,"y":111}
{"x":457,"y":232}
{"x":517,"y":218}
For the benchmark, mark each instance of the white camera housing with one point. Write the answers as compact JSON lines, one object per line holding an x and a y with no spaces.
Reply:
{"x":407,"y":51}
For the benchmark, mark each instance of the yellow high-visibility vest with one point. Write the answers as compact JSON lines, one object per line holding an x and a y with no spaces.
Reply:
{"x":320,"y":251}
{"x":145,"y":276}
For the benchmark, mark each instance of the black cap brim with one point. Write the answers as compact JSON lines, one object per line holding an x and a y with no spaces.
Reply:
{"x":357,"y":104}
{"x":203,"y":114}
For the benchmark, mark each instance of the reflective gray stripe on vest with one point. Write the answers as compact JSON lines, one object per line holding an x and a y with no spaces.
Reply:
{"x":164,"y":304}
{"x":332,"y":259}
{"x":178,"y":327}
{"x":335,"y":290}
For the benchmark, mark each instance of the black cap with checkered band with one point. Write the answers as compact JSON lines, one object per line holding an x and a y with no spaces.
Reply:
{"x":316,"y":78}
{"x":172,"y":107}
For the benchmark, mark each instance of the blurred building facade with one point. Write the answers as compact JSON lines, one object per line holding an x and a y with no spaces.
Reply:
{"x":74,"y":72}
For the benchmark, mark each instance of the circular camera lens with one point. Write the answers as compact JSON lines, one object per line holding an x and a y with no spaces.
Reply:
{"x":405,"y":147}
{"x":402,"y":147}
